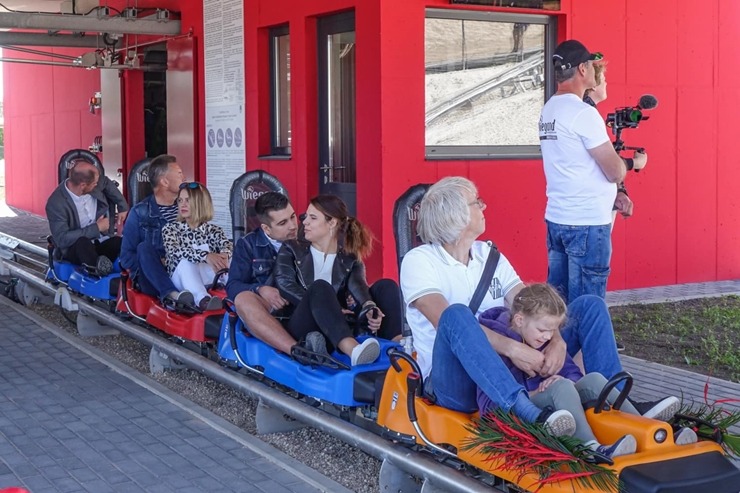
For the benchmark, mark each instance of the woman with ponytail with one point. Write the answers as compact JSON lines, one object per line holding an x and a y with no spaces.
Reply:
{"x":323,"y":277}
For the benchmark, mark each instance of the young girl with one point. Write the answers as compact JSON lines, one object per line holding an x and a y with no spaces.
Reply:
{"x":536,"y":313}
{"x":318,"y":274}
{"x":196,"y":250}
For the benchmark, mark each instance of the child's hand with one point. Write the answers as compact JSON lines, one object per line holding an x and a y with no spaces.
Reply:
{"x":547,"y":382}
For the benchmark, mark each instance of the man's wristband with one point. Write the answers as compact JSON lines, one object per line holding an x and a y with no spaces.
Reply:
{"x":629,"y":162}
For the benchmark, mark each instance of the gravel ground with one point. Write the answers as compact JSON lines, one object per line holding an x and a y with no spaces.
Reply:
{"x":348,"y":466}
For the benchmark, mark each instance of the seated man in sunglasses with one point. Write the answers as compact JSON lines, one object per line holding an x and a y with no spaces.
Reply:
{"x":142,"y":250}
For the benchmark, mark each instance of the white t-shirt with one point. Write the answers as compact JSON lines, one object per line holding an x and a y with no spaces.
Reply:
{"x":429,"y":269}
{"x":578,"y":192}
{"x":322,"y":265}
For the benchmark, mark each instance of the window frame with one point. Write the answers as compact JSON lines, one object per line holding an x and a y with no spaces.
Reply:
{"x":275,"y":98}
{"x":494,"y":152}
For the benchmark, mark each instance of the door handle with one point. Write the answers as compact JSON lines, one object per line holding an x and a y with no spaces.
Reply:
{"x":326,"y":167}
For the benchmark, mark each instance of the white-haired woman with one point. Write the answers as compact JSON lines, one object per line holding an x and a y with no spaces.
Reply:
{"x":455,"y":354}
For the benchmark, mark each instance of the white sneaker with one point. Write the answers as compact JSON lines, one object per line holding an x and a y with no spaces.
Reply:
{"x":365,"y":353}
{"x":662,"y":409}
{"x":624,"y":446}
{"x":685,"y":436}
{"x":561,"y":423}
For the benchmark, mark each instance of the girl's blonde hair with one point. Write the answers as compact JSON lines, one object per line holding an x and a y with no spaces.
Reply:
{"x":201,"y":205}
{"x":539,"y":299}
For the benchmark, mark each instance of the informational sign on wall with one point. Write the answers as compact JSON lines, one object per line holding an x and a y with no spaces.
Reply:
{"x":224,"y":77}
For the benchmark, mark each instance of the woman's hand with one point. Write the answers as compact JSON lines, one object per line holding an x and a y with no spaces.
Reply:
{"x":217,"y":261}
{"x":547,"y":382}
{"x":373,"y":322}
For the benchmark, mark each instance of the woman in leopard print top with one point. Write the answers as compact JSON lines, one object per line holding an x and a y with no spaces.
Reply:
{"x":196,"y":249}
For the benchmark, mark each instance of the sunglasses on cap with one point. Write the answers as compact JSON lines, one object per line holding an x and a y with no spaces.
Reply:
{"x":190,"y":184}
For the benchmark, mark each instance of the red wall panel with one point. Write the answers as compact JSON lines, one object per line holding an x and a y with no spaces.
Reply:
{"x":687,"y":217}
{"x":46,"y":114}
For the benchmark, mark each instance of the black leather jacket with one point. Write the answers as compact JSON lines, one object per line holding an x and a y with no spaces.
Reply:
{"x":294,"y":273}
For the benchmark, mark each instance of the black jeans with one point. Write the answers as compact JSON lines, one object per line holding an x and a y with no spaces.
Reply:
{"x":387,"y":295}
{"x":86,"y":251}
{"x":320,"y":310}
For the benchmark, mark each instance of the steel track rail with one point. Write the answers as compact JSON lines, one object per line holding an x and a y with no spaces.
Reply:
{"x":415,"y":463}
{"x":485,"y":86}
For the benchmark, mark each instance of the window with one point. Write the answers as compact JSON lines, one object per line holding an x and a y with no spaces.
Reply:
{"x":486,"y":82}
{"x":280,"y":91}
{"x":520,"y":4}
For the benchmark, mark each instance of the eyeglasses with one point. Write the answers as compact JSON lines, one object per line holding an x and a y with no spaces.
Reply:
{"x":597,"y":56}
{"x":479,"y":202}
{"x":190,"y":184}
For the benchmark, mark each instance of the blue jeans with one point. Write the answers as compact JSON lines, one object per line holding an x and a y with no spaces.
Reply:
{"x":463,"y":359}
{"x":152,"y":276}
{"x":578,"y":259}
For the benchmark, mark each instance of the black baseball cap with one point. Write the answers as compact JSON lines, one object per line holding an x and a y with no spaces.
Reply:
{"x":572,"y":53}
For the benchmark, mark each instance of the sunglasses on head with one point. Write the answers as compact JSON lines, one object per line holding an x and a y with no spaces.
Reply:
{"x":189,"y":184}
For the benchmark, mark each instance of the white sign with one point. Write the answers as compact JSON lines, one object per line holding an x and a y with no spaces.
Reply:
{"x":224,"y":77}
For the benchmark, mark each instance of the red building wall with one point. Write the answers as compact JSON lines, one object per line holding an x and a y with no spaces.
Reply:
{"x":687,"y":221}
{"x":46,"y":114}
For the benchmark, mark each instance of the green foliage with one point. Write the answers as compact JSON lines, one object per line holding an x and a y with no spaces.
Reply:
{"x":702,"y":335}
{"x":711,"y":422}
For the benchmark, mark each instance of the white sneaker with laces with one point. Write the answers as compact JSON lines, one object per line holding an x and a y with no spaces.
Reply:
{"x":365,"y":353}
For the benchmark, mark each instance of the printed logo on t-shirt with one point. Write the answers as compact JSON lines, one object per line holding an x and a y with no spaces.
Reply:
{"x":547,"y":130}
{"x":496,"y":289}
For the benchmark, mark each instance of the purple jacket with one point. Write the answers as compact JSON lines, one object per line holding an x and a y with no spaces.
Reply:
{"x":498,"y":319}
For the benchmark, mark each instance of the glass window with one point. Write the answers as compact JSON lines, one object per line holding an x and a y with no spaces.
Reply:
{"x":486,"y":82}
{"x":280,"y":97}
{"x":519,"y":4}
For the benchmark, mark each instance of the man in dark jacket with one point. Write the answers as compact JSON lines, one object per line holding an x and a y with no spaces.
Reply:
{"x":250,"y":282}
{"x":142,"y":251}
{"x":78,"y":215}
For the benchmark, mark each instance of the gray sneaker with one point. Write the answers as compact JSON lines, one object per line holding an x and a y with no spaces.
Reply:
{"x":104,"y":266}
{"x":316,"y":342}
{"x":185,"y":298}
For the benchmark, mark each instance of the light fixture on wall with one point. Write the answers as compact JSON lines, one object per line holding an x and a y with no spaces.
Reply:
{"x":95,"y":102}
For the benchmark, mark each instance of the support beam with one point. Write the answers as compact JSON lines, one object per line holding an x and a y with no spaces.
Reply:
{"x":84,"y":24}
{"x":39,"y":39}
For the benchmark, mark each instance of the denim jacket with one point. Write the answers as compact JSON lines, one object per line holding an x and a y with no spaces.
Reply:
{"x":252,"y":264}
{"x":144,"y":223}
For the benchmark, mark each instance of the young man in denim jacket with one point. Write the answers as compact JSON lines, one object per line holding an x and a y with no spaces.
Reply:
{"x":250,"y":283}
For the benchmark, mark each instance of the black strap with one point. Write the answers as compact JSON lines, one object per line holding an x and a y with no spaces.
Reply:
{"x":486,"y":278}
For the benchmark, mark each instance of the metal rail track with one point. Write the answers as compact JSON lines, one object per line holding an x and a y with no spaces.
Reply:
{"x":436,"y":476}
{"x":485,"y":86}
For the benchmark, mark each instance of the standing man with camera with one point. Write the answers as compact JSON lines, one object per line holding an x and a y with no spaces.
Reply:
{"x":582,"y":170}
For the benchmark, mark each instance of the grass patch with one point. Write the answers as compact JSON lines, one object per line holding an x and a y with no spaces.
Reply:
{"x":701,"y":335}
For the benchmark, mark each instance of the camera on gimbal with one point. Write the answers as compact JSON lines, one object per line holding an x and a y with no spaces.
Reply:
{"x":629,"y":117}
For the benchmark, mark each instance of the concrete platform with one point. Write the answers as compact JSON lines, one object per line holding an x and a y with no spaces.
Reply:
{"x":72,"y":421}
